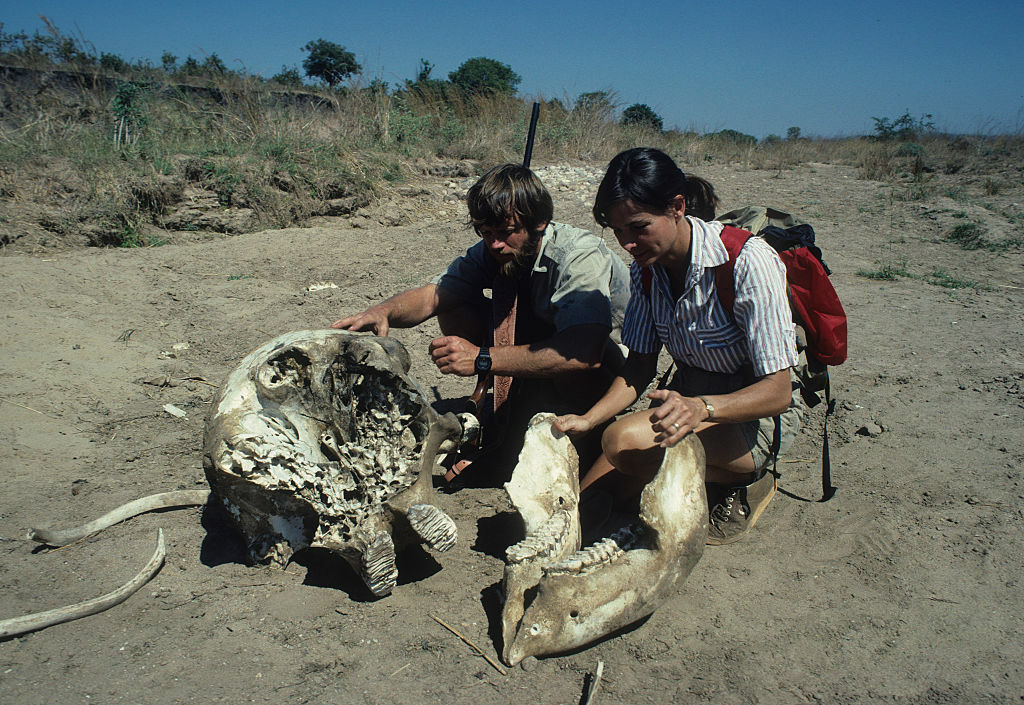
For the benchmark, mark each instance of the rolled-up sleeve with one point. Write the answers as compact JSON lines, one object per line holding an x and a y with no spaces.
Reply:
{"x":762,"y":309}
{"x":582,"y":294}
{"x":469,"y":274}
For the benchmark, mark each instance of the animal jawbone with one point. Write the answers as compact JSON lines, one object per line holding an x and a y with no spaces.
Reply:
{"x":580,"y":595}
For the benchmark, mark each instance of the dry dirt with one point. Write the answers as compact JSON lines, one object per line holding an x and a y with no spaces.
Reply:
{"x":903,"y":588}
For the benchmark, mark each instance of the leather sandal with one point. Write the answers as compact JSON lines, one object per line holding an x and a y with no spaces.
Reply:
{"x":456,"y":468}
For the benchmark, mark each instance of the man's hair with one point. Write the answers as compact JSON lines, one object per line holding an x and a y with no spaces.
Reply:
{"x":509,"y":191}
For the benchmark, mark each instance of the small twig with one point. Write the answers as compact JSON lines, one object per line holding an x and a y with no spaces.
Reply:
{"x":942,"y":599}
{"x":595,"y":683}
{"x":471,"y":645}
{"x":399,"y":670}
{"x":796,"y":460}
{"x":201,"y":380}
{"x":27,"y":408}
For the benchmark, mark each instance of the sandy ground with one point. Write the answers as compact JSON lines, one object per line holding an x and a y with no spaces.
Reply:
{"x":903,"y":588}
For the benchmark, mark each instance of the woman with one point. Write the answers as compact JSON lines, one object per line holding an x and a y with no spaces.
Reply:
{"x":732,"y":386}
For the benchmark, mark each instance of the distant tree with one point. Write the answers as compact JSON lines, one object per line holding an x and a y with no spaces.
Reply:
{"x":169,"y":62}
{"x":642,"y":115}
{"x":424,"y":73}
{"x":377,"y":87}
{"x":212,"y":65}
{"x":793,"y":133}
{"x":906,"y":127}
{"x":481,"y":75}
{"x":191,"y":67}
{"x":329,"y":62}
{"x":598,"y":104}
{"x":113,"y":62}
{"x":771,"y":139}
{"x":734,"y":137}
{"x":556,"y":106}
{"x":288,"y":76}
{"x":424,"y":85}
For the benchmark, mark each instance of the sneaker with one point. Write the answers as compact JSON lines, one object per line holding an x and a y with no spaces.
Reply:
{"x":738,"y":509}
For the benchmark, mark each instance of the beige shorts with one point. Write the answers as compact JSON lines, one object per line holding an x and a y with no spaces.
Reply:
{"x":760,"y":435}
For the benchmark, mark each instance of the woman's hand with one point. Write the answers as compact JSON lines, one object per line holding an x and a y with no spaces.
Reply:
{"x":573,"y":425}
{"x":675,"y":417}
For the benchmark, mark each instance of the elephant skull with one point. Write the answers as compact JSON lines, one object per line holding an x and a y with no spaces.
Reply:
{"x":320,"y":438}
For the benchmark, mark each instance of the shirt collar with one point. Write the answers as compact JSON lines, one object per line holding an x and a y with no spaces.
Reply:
{"x":538,"y":263}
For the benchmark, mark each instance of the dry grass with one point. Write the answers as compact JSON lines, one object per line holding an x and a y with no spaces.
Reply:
{"x":289,"y":154}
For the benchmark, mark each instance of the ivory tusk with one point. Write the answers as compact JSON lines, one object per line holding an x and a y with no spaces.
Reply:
{"x":40,"y":620}
{"x":182,"y":498}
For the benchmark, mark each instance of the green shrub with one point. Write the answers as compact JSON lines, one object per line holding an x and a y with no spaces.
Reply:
{"x":890,"y":270}
{"x":968,"y":236}
{"x":906,"y":127}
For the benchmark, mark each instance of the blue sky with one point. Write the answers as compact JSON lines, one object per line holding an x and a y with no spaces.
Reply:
{"x":757,"y":67}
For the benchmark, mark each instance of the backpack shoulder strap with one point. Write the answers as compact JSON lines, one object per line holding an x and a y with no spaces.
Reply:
{"x":646,"y":277}
{"x":734,"y":239}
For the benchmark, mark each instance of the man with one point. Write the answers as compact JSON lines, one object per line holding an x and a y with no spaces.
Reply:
{"x":570,"y":292}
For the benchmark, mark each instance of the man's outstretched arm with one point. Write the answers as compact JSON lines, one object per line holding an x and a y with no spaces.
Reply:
{"x":404,"y":310}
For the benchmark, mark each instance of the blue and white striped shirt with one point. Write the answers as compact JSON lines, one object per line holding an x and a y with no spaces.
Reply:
{"x":697,"y":329}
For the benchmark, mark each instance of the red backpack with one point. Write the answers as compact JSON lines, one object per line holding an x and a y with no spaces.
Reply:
{"x":815,"y":303}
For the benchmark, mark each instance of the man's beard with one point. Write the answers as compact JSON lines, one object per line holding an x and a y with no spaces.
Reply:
{"x":522,"y":261}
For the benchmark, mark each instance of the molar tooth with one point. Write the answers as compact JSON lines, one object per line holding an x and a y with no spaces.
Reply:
{"x":604,"y":551}
{"x":379,"y":571}
{"x":545,"y":541}
{"x":433,"y":525}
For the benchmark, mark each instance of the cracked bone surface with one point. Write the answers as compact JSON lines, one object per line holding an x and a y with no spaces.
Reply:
{"x":559,"y":597}
{"x":320,"y":438}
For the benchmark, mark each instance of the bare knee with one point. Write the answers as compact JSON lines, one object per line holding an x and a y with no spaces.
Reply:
{"x":628,"y":445}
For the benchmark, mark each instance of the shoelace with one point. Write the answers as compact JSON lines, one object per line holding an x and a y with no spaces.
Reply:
{"x":721,"y":512}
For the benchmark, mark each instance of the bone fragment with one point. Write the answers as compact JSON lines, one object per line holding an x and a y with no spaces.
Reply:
{"x":41,"y":620}
{"x":58,"y":537}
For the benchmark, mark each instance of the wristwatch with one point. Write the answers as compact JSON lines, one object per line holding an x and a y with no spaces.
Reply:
{"x":483,"y":361}
{"x":709,"y":407}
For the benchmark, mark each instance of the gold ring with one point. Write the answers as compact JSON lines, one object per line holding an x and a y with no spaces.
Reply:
{"x":675,"y":426}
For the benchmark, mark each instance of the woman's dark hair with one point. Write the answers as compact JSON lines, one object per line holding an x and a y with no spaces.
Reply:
{"x":650,"y":178}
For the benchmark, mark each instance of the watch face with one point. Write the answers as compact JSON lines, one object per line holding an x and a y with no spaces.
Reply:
{"x":483,"y":361}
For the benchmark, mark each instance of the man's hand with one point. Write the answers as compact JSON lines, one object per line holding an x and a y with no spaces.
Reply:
{"x":454,"y":355}
{"x":374,"y":318}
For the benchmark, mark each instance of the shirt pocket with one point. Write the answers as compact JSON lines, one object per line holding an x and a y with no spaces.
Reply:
{"x":726,"y":336}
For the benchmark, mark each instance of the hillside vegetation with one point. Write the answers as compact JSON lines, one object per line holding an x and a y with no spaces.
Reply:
{"x":95,"y":151}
